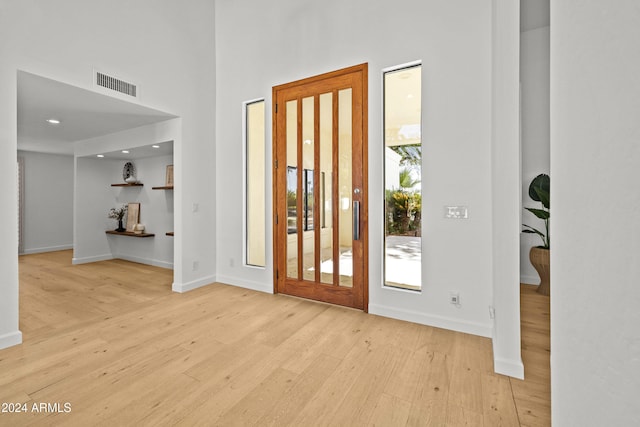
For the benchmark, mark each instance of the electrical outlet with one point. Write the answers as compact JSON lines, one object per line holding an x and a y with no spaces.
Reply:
{"x":232,"y":262}
{"x":454,"y":298}
{"x":195,"y":265}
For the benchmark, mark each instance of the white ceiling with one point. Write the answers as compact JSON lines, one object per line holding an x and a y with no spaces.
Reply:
{"x":164,"y":148}
{"x":83,"y":114}
{"x":403,"y":106}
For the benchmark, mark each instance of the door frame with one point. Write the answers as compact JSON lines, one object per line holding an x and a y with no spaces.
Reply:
{"x":364,"y":214}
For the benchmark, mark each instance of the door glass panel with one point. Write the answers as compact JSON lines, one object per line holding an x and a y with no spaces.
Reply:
{"x":345,"y":218}
{"x":326,"y":171}
{"x":308,"y":236}
{"x":292,"y":188}
{"x":403,"y":171}
{"x":254,"y":175}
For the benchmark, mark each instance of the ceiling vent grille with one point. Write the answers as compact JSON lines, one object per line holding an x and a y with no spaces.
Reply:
{"x":116,"y":84}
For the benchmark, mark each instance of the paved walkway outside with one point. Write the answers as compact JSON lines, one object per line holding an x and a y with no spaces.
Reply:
{"x":404,"y":261}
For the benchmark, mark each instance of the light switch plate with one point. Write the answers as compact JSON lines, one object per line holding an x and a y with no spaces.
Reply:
{"x":456,"y":212}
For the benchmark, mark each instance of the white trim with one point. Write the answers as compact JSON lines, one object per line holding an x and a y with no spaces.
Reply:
{"x":247,"y":284}
{"x":47,"y":249}
{"x":400,"y":67}
{"x":399,"y":289}
{"x":383,"y":249}
{"x":510,"y":368}
{"x":139,"y":260}
{"x":195,"y":284}
{"x":89,"y":259}
{"x":473,"y":328}
{"x":11,"y":339}
{"x":20,"y":176}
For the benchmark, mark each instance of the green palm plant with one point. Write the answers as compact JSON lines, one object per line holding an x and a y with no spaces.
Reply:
{"x":404,"y":210}
{"x":406,"y":179}
{"x":539,"y":192}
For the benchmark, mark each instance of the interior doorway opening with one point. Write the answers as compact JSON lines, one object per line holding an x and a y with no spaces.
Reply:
{"x":54,"y":120}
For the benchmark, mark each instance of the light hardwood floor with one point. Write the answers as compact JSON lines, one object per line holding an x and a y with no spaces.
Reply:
{"x":114,"y":342}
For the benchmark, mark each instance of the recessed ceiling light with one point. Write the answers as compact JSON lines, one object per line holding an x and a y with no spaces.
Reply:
{"x":53,"y":121}
{"x":125,"y":151}
{"x":155,"y":146}
{"x":100,"y":155}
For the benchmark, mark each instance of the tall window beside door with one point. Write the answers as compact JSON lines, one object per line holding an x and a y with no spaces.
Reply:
{"x":254,"y":176}
{"x":403,"y":176}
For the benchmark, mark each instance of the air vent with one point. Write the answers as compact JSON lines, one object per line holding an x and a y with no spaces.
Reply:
{"x":116,"y":84}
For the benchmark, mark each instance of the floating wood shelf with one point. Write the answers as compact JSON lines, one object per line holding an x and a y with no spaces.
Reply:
{"x":170,"y":233}
{"x":165,"y":187}
{"x":126,"y":184}
{"x":129,"y":233}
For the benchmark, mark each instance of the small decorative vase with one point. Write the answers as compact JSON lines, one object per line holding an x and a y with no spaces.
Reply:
{"x":539,"y":258}
{"x":138,"y":228}
{"x":120,"y":228}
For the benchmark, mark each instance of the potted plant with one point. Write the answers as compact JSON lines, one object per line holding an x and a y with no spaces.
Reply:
{"x":539,"y":255}
{"x":118,"y":213}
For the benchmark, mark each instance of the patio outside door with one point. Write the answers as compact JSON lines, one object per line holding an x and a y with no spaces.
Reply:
{"x":320,"y":195}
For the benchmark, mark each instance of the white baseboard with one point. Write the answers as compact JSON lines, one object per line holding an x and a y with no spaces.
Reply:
{"x":195,"y":284}
{"x":89,"y":259}
{"x":47,"y":249}
{"x":247,"y":284}
{"x":443,"y":322}
{"x":510,"y":368}
{"x":529,"y":280}
{"x":140,"y":260}
{"x":9,"y":340}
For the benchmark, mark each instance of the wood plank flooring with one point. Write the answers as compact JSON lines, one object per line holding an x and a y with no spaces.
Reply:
{"x":113,"y":342}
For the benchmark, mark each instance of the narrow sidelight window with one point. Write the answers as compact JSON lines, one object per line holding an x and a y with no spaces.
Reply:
{"x":254,"y":151}
{"x":403,"y":176}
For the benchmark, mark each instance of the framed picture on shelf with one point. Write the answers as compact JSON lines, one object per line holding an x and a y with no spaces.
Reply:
{"x":133,"y":216}
{"x":169,"y":177}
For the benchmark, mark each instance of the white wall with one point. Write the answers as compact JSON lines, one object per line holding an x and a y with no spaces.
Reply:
{"x":95,"y":196}
{"x":161,"y":45}
{"x":505,"y":189}
{"x":595,"y":159}
{"x":156,"y":213}
{"x":391,"y":168}
{"x":48,"y":202}
{"x":454,"y":41}
{"x":534,"y":84}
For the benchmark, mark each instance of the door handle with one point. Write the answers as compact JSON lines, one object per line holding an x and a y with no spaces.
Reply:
{"x":356,"y":220}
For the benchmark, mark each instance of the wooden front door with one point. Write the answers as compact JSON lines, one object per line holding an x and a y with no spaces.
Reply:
{"x":320,"y":187}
